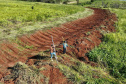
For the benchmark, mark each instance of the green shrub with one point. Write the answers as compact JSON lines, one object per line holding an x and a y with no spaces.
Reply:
{"x":113,"y":49}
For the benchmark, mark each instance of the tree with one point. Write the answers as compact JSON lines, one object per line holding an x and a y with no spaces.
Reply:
{"x":77,"y":1}
{"x":92,"y":0}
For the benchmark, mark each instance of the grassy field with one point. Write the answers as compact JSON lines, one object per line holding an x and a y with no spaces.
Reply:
{"x":18,"y":17}
{"x":17,"y":12}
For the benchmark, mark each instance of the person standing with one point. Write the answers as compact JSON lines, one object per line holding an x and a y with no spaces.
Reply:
{"x":65,"y":45}
{"x":52,"y":52}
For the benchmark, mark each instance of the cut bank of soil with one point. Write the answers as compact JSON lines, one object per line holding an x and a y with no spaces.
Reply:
{"x":54,"y":74}
{"x":82,"y":35}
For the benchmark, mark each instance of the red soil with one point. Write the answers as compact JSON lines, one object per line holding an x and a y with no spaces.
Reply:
{"x":82,"y":35}
{"x":54,"y":75}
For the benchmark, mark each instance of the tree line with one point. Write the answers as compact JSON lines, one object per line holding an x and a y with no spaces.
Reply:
{"x":54,"y":1}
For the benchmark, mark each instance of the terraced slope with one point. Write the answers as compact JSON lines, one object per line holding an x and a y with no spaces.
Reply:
{"x":82,"y":35}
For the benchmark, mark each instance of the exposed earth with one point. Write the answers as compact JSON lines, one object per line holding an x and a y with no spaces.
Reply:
{"x":82,"y":35}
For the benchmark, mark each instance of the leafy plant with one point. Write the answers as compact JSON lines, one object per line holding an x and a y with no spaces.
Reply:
{"x":112,"y":50}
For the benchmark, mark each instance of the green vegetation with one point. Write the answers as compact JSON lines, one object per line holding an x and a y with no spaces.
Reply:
{"x":25,"y":74}
{"x":12,"y":28}
{"x":81,"y":73}
{"x":13,"y":32}
{"x":112,"y":51}
{"x":81,"y":2}
{"x":18,"y":12}
{"x":48,"y":1}
{"x":109,"y":3}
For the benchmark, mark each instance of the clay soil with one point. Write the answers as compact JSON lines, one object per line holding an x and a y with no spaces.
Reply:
{"x":82,"y":35}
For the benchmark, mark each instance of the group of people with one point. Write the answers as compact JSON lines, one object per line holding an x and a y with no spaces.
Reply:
{"x":53,"y":51}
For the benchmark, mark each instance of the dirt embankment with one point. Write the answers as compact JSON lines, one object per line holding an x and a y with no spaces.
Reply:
{"x":82,"y":35}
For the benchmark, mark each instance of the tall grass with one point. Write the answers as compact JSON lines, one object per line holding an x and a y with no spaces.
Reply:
{"x":14,"y":12}
{"x":81,"y":73}
{"x":112,"y":52}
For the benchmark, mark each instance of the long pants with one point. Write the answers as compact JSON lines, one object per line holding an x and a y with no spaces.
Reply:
{"x":64,"y":50}
{"x":54,"y":53}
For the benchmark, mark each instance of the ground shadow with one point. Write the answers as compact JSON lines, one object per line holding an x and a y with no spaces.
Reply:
{"x":81,"y":59}
{"x":10,"y":67}
{"x":39,"y":57}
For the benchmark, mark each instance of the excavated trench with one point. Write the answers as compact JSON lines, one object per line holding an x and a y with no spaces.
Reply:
{"x":82,"y":35}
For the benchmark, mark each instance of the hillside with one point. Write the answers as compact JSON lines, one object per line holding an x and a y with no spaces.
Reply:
{"x":95,"y":55}
{"x":19,"y":17}
{"x":88,"y":37}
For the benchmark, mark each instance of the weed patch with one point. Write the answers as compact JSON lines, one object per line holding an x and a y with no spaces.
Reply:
{"x":21,"y":73}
